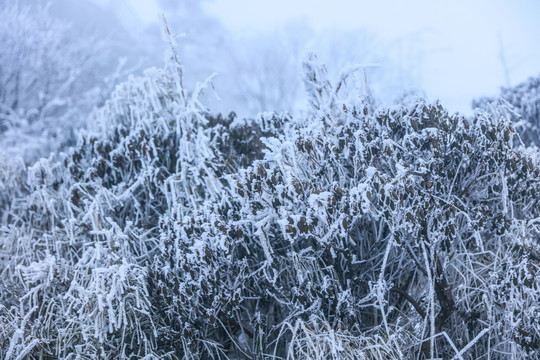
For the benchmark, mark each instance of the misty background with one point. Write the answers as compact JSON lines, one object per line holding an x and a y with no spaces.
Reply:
{"x":452,"y":51}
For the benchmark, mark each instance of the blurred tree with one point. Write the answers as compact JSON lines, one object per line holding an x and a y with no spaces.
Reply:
{"x":50,"y":78}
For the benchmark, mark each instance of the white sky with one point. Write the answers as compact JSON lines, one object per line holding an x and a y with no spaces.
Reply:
{"x":459,"y":38}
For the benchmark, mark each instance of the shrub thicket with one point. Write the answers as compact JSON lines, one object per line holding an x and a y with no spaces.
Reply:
{"x":348,"y":233}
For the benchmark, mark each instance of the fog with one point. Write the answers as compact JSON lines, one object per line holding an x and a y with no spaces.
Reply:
{"x":456,"y":51}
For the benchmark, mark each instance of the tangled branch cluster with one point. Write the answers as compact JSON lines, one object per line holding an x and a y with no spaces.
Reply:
{"x":344,"y":234}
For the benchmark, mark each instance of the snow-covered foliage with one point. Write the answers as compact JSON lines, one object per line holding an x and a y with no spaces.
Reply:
{"x":348,"y":233}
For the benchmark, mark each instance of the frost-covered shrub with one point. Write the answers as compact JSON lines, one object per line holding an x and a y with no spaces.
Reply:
{"x":392,"y":227}
{"x":525,"y":100}
{"x":348,"y":233}
{"x":12,"y":178}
